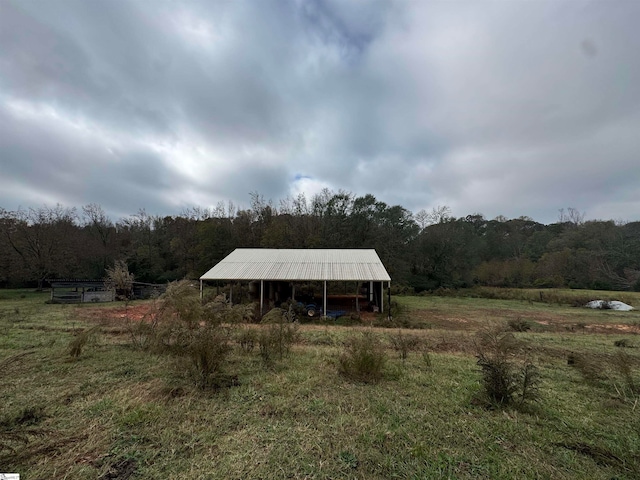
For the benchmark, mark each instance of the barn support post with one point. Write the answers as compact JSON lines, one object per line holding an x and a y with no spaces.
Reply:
{"x":201,"y":294}
{"x":261,"y":297}
{"x":231,"y":293}
{"x":293,"y":292}
{"x":324,"y":299}
{"x":381,"y":297}
{"x":389,"y":297}
{"x":357,"y":299}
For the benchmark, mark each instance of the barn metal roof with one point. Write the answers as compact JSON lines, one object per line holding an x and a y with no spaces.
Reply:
{"x":299,"y":264}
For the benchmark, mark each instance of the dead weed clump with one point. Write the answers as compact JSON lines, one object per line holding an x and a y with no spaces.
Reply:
{"x":207,"y":354}
{"x":77,"y":344}
{"x":615,"y":372}
{"x":519,"y":325}
{"x":404,"y":343}
{"x":591,"y":366}
{"x":198,"y":335}
{"x":625,"y":384}
{"x":624,"y":343}
{"x":277,"y":338}
{"x":509,"y":378}
{"x":363,"y":358}
{"x":16,"y":359}
{"x":247,"y":338}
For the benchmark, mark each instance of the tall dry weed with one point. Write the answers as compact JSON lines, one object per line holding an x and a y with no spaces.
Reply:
{"x":363,"y":358}
{"x":277,"y":338}
{"x":508,"y":376}
{"x":77,"y":344}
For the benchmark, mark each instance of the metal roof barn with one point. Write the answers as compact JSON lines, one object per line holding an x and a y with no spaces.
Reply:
{"x":293,"y":265}
{"x":300,"y":265}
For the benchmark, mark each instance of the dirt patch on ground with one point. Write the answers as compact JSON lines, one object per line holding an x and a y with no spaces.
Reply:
{"x":433,"y":319}
{"x":613,"y":328}
{"x":110,"y":316}
{"x":115,"y":319}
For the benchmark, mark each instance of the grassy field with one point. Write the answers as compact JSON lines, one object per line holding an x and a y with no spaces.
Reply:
{"x":118,"y":412}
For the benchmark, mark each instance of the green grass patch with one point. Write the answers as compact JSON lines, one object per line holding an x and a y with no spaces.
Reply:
{"x":553,"y":296}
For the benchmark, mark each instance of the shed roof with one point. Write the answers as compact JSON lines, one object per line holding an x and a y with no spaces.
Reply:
{"x":299,"y":264}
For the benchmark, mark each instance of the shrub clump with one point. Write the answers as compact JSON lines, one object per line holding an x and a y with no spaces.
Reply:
{"x":519,"y":325}
{"x":405,"y":343}
{"x":197,"y":334}
{"x":207,"y":353}
{"x":508,"y":378}
{"x":218,"y":311}
{"x":274,"y":315}
{"x":179,"y":316}
{"x":363,"y":358}
{"x":277,"y":338}
{"x":247,"y":339}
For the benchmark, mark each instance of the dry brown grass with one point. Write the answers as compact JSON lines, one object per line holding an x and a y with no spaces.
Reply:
{"x":119,"y":411}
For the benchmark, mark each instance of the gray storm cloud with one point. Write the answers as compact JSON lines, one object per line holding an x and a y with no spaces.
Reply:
{"x":503,"y":108}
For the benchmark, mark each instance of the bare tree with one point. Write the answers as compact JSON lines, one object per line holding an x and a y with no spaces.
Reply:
{"x":197,"y":214}
{"x":101,"y":226}
{"x":422,"y":219}
{"x":42,"y":239}
{"x":438,"y":214}
{"x":572,"y":215}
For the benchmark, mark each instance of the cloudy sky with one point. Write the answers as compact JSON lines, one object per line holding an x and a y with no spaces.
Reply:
{"x":511,"y":107}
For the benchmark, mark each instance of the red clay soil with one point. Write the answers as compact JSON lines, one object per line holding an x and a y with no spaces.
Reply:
{"x":143,"y":312}
{"x":131,"y":312}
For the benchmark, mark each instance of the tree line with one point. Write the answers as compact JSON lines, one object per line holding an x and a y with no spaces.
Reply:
{"x":421,"y":251}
